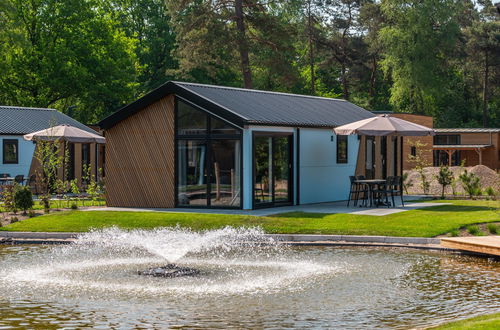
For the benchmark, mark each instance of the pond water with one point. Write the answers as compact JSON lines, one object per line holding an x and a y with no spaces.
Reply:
{"x":243,"y":283}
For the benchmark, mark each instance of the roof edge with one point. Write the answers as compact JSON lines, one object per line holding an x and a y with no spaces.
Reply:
{"x":171,"y":87}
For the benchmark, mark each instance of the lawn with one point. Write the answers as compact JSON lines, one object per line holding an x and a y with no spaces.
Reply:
{"x":485,"y":322}
{"x":427,"y":222}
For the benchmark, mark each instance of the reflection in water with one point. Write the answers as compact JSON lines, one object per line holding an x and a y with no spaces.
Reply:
{"x":93,"y":284}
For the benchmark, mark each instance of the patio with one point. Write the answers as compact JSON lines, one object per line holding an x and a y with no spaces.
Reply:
{"x":327,"y":208}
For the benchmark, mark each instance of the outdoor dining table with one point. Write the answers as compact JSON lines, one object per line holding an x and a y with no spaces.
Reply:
{"x":372,"y":184}
{"x":6,"y":180}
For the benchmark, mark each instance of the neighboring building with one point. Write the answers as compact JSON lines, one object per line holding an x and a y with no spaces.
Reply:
{"x":473,"y":146}
{"x":450,"y":146}
{"x":193,"y":145}
{"x":17,"y":154}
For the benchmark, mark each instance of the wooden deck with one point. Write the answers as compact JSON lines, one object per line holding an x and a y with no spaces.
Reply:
{"x":482,"y":244}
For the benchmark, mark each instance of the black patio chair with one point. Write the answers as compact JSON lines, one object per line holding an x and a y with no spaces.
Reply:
{"x":19,"y":179}
{"x":397,"y":189}
{"x":355,"y":190}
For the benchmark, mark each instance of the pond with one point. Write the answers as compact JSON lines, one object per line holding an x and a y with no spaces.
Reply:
{"x":244,"y":281}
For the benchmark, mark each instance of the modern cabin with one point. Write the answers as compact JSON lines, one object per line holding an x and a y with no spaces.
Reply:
{"x":203,"y":146}
{"x":17,"y":154}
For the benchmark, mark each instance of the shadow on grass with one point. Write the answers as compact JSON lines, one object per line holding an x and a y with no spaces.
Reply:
{"x":439,"y":208}
{"x":457,"y":208}
{"x":302,"y":215}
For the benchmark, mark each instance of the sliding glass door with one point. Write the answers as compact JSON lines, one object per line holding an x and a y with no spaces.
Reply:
{"x":272,"y":169}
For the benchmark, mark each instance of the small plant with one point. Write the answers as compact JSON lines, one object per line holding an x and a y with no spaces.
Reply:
{"x":8,"y":198}
{"x":492,"y":228}
{"x":490,"y":192}
{"x":31,"y":214}
{"x":74,"y":206}
{"x":453,"y":186}
{"x":444,"y":178}
{"x":470,"y":183}
{"x":406,"y":182}
{"x":474,"y":230}
{"x":23,"y":199}
{"x":14,"y":219}
{"x":454,"y":233}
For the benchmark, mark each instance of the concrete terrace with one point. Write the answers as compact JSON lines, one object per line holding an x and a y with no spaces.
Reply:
{"x":328,"y":208}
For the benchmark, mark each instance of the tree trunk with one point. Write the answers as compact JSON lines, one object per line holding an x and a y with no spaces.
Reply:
{"x":345,"y":87}
{"x":243,"y":45}
{"x":311,"y":49}
{"x":486,"y":115}
{"x":372,"y":83}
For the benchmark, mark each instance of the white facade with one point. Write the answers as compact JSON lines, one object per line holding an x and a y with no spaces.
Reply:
{"x":25,"y":156}
{"x":321,"y":178}
{"x":317,"y":177}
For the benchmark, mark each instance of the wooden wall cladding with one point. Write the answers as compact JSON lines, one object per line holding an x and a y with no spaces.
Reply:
{"x":140,"y":158}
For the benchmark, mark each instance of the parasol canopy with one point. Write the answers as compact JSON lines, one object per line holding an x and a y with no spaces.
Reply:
{"x":384,"y":125}
{"x":66,"y":133}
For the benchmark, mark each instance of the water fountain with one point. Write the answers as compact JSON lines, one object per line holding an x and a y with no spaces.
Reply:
{"x":231,"y":277}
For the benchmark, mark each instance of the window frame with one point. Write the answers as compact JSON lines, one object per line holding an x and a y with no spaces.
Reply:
{"x":207,"y":138}
{"x":338,"y":140}
{"x":4,"y":143}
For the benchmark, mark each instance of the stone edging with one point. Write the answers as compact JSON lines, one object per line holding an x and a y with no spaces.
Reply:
{"x":280,"y":237}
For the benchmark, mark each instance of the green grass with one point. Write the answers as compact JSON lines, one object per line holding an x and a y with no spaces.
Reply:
{"x":427,"y":222}
{"x":485,"y":322}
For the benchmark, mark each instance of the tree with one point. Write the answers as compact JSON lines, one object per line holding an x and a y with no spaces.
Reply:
{"x":418,"y":38}
{"x":148,"y":22}
{"x":59,"y":53}
{"x":228,"y":41}
{"x":341,"y":38}
{"x":483,"y":48}
{"x":444,"y":178}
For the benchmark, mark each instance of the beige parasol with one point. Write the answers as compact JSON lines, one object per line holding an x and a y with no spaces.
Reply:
{"x":65,"y":133}
{"x":384,"y":125}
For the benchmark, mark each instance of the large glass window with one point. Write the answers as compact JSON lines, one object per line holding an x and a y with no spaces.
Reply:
{"x":447,"y":139}
{"x":85,"y":158}
{"x":192,"y":172}
{"x":208,"y":159}
{"x":10,"y":151}
{"x":190,"y":121}
{"x":225,"y":178}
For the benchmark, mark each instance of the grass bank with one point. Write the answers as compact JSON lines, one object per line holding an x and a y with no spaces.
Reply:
{"x":485,"y":322}
{"x":427,"y":222}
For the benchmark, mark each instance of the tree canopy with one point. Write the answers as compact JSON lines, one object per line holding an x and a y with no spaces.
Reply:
{"x":88,"y":58}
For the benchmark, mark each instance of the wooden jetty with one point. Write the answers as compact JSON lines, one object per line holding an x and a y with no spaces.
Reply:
{"x":477,"y":244}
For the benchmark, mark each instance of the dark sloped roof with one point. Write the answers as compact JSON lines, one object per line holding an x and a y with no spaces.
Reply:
{"x":20,"y":120}
{"x":467,"y":130}
{"x":247,"y":106}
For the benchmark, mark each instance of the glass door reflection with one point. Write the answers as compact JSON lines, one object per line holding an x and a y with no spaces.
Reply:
{"x":273,"y":168}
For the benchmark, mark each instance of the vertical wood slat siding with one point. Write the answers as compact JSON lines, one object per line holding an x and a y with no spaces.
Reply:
{"x":140,"y":158}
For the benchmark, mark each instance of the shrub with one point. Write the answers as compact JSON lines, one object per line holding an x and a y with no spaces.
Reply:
{"x":8,"y":198}
{"x":74,"y":206}
{"x":444,"y":178}
{"x":23,"y":199}
{"x":470,"y":183}
{"x":14,"y":219}
{"x":31,"y":213}
{"x":490,"y":192}
{"x":454,"y":233}
{"x":474,"y":230}
{"x":492,"y":228}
